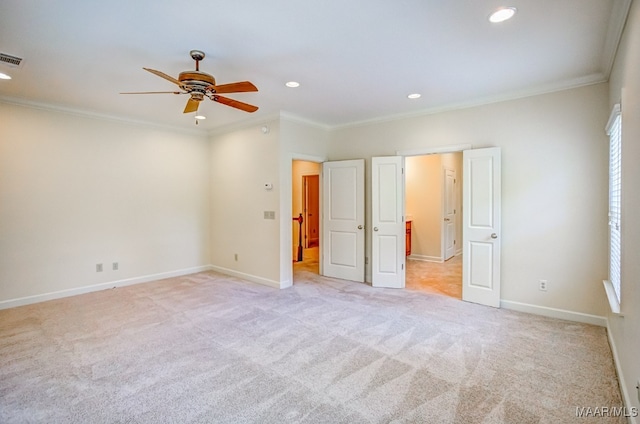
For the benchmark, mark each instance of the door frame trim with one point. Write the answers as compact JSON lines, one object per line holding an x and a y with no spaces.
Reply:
{"x":286,"y":204}
{"x":434,"y":150}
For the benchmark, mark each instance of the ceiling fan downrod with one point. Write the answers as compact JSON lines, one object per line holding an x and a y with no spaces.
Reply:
{"x":197,"y":55}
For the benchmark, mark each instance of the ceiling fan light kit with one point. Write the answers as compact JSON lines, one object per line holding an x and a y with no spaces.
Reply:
{"x":200,"y":85}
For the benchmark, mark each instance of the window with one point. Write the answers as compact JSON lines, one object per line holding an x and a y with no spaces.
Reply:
{"x":614,"y":131}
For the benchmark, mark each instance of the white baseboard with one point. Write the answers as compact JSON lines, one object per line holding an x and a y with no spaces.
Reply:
{"x":425,"y":258}
{"x":621,"y":381}
{"x":249,"y":277}
{"x":554,"y":313}
{"x":28,"y":300}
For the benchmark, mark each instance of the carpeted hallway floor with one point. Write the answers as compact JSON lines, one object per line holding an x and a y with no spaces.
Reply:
{"x":207,"y":348}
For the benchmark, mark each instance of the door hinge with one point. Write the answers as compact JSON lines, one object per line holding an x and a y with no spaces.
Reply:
{"x":402,"y":170}
{"x":454,"y":242}
{"x":402,"y":266}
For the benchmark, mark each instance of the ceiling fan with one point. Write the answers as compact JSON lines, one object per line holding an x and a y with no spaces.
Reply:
{"x":200,"y":85}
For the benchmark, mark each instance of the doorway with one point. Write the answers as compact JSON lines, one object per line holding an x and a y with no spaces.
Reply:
{"x":305,"y":197}
{"x":433,"y":205}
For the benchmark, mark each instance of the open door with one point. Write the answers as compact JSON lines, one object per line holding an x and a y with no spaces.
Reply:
{"x":387,"y":217}
{"x":481,"y":231}
{"x":449,"y":212}
{"x":343,"y":219}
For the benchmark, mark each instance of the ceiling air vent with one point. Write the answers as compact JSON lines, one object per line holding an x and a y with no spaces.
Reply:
{"x":10,"y":60}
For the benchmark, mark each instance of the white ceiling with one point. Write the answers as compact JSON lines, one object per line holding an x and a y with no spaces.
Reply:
{"x":356,"y":60}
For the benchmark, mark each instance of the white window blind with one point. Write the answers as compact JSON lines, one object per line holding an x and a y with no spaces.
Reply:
{"x":614,"y":130}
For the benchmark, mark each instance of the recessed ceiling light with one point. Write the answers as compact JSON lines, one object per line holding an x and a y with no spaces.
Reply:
{"x":414,"y":96}
{"x":502,"y":14}
{"x":293,"y":84}
{"x":4,"y":76}
{"x":201,"y":117}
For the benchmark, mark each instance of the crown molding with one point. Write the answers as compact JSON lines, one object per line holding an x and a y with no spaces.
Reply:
{"x":288,"y":116}
{"x":253,"y":121}
{"x":243,"y":124}
{"x":95,"y":115}
{"x":592,"y":79}
{"x":617,"y":22}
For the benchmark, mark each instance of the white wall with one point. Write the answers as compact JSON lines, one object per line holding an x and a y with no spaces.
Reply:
{"x":625,"y":89}
{"x":554,"y":185}
{"x":77,"y":191}
{"x":298,"y":140}
{"x":242,"y":161}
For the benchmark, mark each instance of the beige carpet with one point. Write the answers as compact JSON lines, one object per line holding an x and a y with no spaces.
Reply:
{"x":206,"y":348}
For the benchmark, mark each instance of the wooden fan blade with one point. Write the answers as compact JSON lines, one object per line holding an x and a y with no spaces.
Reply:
{"x":165,"y":76}
{"x":234,"y":103}
{"x":192,"y":106}
{"x":236,"y":87}
{"x":153,"y":92}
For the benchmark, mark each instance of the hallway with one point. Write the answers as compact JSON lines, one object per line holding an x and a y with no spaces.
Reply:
{"x":309,"y":261}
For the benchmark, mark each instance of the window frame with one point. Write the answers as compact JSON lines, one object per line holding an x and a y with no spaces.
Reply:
{"x":613,"y":285}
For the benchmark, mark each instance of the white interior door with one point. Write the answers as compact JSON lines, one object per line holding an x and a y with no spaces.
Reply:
{"x":387,"y":218}
{"x":343,"y":219}
{"x":449,"y":212}
{"x":481,"y":232}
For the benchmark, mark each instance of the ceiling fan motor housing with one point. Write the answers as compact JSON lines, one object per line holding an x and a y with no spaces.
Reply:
{"x":193,"y":77}
{"x":197,"y":83}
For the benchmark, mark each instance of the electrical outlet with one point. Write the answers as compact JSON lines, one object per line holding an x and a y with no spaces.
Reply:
{"x":98,"y":267}
{"x":115,"y":266}
{"x":235,"y":257}
{"x":543,"y":285}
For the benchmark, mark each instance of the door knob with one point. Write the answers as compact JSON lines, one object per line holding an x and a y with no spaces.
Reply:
{"x":359,"y":227}
{"x":375,"y":228}
{"x":447,"y":219}
{"x":494,"y":236}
